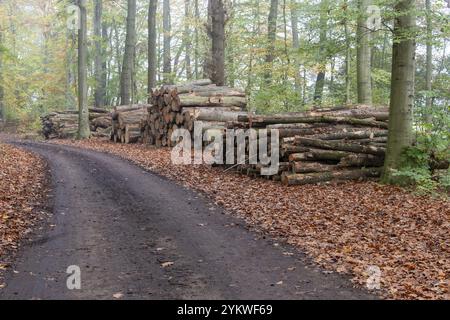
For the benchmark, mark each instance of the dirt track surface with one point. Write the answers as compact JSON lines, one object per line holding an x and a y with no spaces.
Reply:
{"x":136,"y":235}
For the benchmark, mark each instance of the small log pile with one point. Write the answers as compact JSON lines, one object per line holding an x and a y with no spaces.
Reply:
{"x":325,"y":144}
{"x":179,"y":107}
{"x":64,"y":124}
{"x":127,"y":122}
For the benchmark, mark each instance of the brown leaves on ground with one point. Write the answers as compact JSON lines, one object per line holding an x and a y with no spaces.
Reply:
{"x":22,"y":177}
{"x":345,"y":228}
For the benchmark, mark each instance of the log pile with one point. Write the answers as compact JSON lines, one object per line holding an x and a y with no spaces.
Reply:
{"x":127,"y":122}
{"x":324,"y":145}
{"x":179,"y":107}
{"x":64,"y":124}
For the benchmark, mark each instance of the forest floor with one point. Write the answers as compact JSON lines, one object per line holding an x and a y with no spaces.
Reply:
{"x":23,"y":186}
{"x":347,"y":228}
{"x":134,"y":234}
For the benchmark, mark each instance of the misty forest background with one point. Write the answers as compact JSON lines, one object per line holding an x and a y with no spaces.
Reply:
{"x":288,"y":55}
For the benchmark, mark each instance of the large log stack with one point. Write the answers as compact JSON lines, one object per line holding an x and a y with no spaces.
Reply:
{"x":64,"y":124}
{"x":325,"y":144}
{"x":179,"y":107}
{"x":127,"y":122}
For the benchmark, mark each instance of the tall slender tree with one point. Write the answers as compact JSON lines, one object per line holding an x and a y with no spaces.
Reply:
{"x":216,"y":32}
{"x":402,"y":88}
{"x":295,"y":43}
{"x":197,"y":41}
{"x":100,"y":85}
{"x":429,"y":62}
{"x":271,"y":38}
{"x":187,"y":38}
{"x":320,"y":80}
{"x":152,"y":58}
{"x":167,"y":57}
{"x":84,"y":131}
{"x":348,"y":56}
{"x":127,"y":75}
{"x":364,"y":54}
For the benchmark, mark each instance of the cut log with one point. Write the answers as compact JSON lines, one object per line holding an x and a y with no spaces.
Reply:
{"x":362,"y":160}
{"x":312,"y":167}
{"x":340,"y":146}
{"x":352,"y":135}
{"x":303,"y":179}
{"x":269,"y":120}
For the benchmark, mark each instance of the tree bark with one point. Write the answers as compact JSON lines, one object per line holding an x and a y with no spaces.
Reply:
{"x":167,"y":58}
{"x":402,"y":88}
{"x":303,"y":179}
{"x":364,"y":55}
{"x":340,"y":146}
{"x":295,"y":43}
{"x":99,"y":56}
{"x":429,"y":64}
{"x":216,"y":32}
{"x":153,"y":6}
{"x":320,"y":81}
{"x":84,"y":131}
{"x":126,"y":80}
{"x":187,"y":39}
{"x":197,"y":42}
{"x":348,"y":59}
{"x":271,"y":38}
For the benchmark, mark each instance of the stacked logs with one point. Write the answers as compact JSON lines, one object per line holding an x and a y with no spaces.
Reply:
{"x":325,"y":144}
{"x":127,"y":122}
{"x":180,"y":107}
{"x":64,"y":124}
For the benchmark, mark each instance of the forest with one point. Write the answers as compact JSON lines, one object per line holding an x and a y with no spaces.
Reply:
{"x":333,"y":119}
{"x":287,"y":56}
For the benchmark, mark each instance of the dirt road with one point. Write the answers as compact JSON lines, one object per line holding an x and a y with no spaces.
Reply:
{"x":136,"y":235}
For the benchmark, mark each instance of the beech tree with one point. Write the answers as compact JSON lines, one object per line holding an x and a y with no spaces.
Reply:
{"x":364,"y":54}
{"x":271,"y":37}
{"x":167,"y":57}
{"x":127,"y":75}
{"x":402,"y":88}
{"x":100,"y":83}
{"x":152,"y":54}
{"x":216,"y":33}
{"x":84,"y":131}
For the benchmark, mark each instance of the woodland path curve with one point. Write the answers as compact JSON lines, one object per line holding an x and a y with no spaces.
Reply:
{"x":121,"y":225}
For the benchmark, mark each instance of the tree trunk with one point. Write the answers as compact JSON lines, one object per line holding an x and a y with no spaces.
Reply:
{"x":197,"y":42}
{"x":303,"y":179}
{"x":167,"y":58}
{"x":295,"y":43}
{"x":271,"y":38}
{"x":153,"y":6}
{"x":84,"y":131}
{"x":126,"y":80}
{"x":187,"y":39}
{"x":348,"y":59}
{"x":402,"y":88}
{"x":364,"y":55}
{"x":429,"y":64}
{"x":340,"y":146}
{"x":99,"y":56}
{"x":320,"y":81}
{"x":216,"y":32}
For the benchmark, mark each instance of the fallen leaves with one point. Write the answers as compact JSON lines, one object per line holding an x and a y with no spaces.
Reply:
{"x":22,"y":177}
{"x":118,"y":296}
{"x":345,"y":228}
{"x":167,"y":264}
